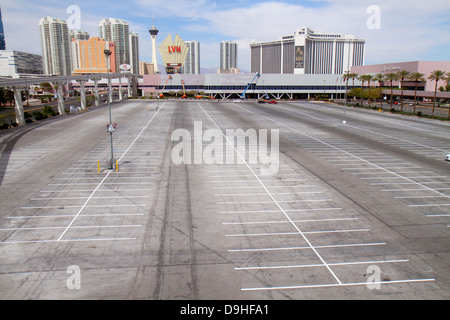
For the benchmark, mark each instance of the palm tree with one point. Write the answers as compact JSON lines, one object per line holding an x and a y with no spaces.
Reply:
{"x":369,"y":78}
{"x":391,"y":77}
{"x":380,"y":78}
{"x":363,"y":79}
{"x":447,"y":80}
{"x":436,"y":75}
{"x":416,"y":77}
{"x":402,"y":74}
{"x":346,"y":78}
{"x":353,"y":76}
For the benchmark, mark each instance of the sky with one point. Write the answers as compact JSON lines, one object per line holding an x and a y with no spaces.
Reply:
{"x":394,"y":30}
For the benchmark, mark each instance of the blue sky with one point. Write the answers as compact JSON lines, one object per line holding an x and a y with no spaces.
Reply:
{"x":408,"y":29}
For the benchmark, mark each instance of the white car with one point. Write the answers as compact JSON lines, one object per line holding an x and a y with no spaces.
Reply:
{"x":447,"y":157}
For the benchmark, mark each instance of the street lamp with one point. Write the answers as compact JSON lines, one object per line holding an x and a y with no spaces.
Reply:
{"x":110,"y":126}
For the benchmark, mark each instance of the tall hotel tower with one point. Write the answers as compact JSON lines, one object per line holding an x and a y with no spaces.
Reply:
{"x":228,"y":55}
{"x":153,"y":34}
{"x":192,"y":63}
{"x":117,"y":30}
{"x":134,"y":52}
{"x":55,"y":42}
{"x":308,"y":52}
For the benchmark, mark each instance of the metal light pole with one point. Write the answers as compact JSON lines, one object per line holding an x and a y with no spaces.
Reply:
{"x":110,"y":126}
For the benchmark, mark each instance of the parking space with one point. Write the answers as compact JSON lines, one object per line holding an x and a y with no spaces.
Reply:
{"x":87,"y":202}
{"x":333,"y":216}
{"x":296,"y":232}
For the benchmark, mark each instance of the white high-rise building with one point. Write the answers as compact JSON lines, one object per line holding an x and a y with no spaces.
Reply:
{"x":55,"y":43}
{"x":117,"y":30}
{"x":134,"y":52}
{"x":192,"y":63}
{"x":79,"y":35}
{"x":308,"y":52}
{"x":228,"y":55}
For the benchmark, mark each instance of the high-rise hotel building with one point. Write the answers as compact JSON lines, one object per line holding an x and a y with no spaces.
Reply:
{"x":134,"y":52}
{"x":88,"y":56}
{"x":228,"y":55}
{"x":117,"y":30}
{"x":308,"y":52}
{"x":192,"y":63}
{"x":79,"y":34}
{"x":55,"y":44}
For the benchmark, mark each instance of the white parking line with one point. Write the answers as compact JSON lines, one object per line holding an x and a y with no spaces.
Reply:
{"x":402,"y":140}
{"x":107,"y":190}
{"x":265,"y":194}
{"x":86,"y":184}
{"x":418,"y":197}
{"x":389,"y":190}
{"x":284,"y":187}
{"x":73,"y":227}
{"x":295,"y":233}
{"x":430,"y":205}
{"x":317,"y":247}
{"x":85,"y":206}
{"x":285,"y":221}
{"x":391,"y":282}
{"x":285,"y":210}
{"x":348,"y":153}
{"x":77,"y":198}
{"x":268,"y":202}
{"x":68,"y":240}
{"x":320,"y":265}
{"x":299,"y":232}
{"x":104,"y":179}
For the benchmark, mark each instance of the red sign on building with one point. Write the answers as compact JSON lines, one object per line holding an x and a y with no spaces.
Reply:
{"x":173,"y":49}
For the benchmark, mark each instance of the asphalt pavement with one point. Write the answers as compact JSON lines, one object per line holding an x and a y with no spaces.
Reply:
{"x":341,"y":203}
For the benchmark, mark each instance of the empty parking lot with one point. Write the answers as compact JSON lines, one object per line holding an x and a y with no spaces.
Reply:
{"x":357,"y":208}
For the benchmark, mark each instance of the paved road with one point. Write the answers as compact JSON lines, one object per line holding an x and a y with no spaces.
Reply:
{"x":354,"y":210}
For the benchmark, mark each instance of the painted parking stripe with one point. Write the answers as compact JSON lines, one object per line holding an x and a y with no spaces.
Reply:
{"x":321,"y":265}
{"x":303,"y":248}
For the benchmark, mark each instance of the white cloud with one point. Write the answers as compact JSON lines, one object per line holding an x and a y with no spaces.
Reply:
{"x":410,"y":30}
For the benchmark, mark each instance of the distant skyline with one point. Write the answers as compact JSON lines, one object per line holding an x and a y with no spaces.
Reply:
{"x":395,"y":30}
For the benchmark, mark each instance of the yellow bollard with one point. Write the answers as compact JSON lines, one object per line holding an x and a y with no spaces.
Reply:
{"x":98,"y":165}
{"x":117,"y":166}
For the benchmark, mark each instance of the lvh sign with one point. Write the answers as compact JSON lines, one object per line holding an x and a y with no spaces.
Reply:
{"x":174,"y":49}
{"x":173,"y":52}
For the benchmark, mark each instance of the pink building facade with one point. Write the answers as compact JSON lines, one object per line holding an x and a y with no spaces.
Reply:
{"x":425,"y":67}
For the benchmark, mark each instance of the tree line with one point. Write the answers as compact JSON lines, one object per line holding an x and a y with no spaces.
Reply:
{"x":402,"y":76}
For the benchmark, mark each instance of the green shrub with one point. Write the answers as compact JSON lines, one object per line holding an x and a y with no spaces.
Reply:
{"x":48,"y":111}
{"x":39,"y":115}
